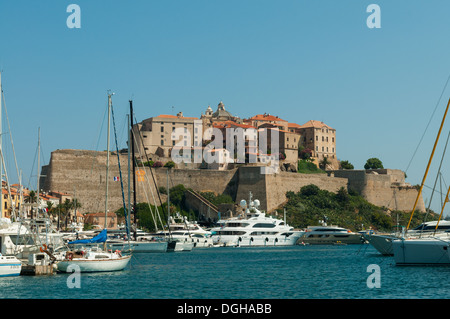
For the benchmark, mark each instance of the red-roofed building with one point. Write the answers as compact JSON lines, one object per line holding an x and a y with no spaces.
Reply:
{"x":266,"y":118}
{"x":320,"y":138}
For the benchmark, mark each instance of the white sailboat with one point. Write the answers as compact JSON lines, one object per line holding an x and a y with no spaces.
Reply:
{"x":94,"y":259}
{"x":430,"y":250}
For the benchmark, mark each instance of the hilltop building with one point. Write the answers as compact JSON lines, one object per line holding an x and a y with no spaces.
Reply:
{"x":155,"y":138}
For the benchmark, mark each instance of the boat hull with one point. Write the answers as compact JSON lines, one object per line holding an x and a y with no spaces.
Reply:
{"x":10,"y":268}
{"x":423,"y":251}
{"x":91,"y":265}
{"x":141,"y":246}
{"x":331,"y":239}
{"x":259,"y":241}
{"x":382,"y":243}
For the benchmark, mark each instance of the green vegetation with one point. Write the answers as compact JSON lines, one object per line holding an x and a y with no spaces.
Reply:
{"x":344,"y":209}
{"x":217,"y":199}
{"x":307,"y":167}
{"x":146,"y":214}
{"x":346,"y":165}
{"x":373,"y":163}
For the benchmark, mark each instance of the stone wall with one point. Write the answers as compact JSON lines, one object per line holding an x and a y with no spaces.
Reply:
{"x":83,"y":173}
{"x":383,"y":187}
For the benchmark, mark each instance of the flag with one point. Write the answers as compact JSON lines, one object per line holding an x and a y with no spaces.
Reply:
{"x":116,"y":178}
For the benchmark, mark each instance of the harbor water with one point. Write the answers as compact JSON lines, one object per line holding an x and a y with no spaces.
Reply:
{"x":297,"y":272}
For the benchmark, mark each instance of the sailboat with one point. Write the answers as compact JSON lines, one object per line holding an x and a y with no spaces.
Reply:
{"x":143,"y":243}
{"x":95,"y":259}
{"x":427,"y":250}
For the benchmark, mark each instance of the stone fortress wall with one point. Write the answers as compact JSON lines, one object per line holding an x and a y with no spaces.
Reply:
{"x":83,"y":173}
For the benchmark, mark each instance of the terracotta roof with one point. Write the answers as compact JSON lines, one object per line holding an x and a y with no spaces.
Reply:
{"x":294,"y":125}
{"x":266,"y":117}
{"x":316,"y":124}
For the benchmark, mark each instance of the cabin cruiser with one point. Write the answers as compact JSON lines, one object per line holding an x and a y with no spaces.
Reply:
{"x":25,"y":237}
{"x":326,"y":235}
{"x":382,"y":242}
{"x":254,"y":228}
{"x":184,"y":235}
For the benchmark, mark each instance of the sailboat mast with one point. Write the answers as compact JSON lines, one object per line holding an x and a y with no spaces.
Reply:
{"x":134,"y":163}
{"x":107,"y":158}
{"x":428,"y":166}
{"x":129,"y":174}
{"x":38,"y":164}
{"x":1,"y":135}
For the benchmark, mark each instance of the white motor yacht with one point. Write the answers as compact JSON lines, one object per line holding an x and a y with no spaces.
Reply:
{"x":186,"y":235}
{"x":328,"y":235}
{"x":254,"y":228}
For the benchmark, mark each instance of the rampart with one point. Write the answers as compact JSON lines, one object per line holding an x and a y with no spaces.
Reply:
{"x":83,"y":173}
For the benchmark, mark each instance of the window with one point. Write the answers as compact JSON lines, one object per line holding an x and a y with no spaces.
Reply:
{"x":332,"y":139}
{"x":322,"y":148}
{"x":327,"y":138}
{"x":162,"y":129}
{"x":162,"y":142}
{"x":327,"y":149}
{"x":323,"y":139}
{"x":317,"y":138}
{"x":185,"y":130}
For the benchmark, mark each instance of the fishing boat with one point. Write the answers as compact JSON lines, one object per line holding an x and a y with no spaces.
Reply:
{"x":9,"y":266}
{"x":254,"y":228}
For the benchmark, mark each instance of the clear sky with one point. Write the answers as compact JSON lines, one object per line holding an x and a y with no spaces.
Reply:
{"x":300,"y":60}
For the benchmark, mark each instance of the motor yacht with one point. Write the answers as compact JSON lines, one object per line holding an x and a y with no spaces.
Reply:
{"x":326,"y":235}
{"x":254,"y":228}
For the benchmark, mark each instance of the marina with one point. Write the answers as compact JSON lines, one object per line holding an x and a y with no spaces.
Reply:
{"x":289,"y":272}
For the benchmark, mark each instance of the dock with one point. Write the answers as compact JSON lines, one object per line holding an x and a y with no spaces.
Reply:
{"x":37,"y":270}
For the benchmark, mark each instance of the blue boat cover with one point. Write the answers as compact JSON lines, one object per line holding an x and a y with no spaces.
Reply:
{"x":100,"y":238}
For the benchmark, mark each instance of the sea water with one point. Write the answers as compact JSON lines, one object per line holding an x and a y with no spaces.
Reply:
{"x":296,"y":272}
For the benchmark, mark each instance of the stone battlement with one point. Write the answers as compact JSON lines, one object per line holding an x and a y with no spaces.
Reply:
{"x":83,"y":173}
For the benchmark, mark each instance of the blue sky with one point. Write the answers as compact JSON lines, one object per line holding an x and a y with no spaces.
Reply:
{"x":300,"y":60}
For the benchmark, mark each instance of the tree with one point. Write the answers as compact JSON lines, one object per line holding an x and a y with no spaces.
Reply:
{"x":323,"y":163}
{"x":346,"y":165}
{"x":373,"y":163}
{"x":169,"y":164}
